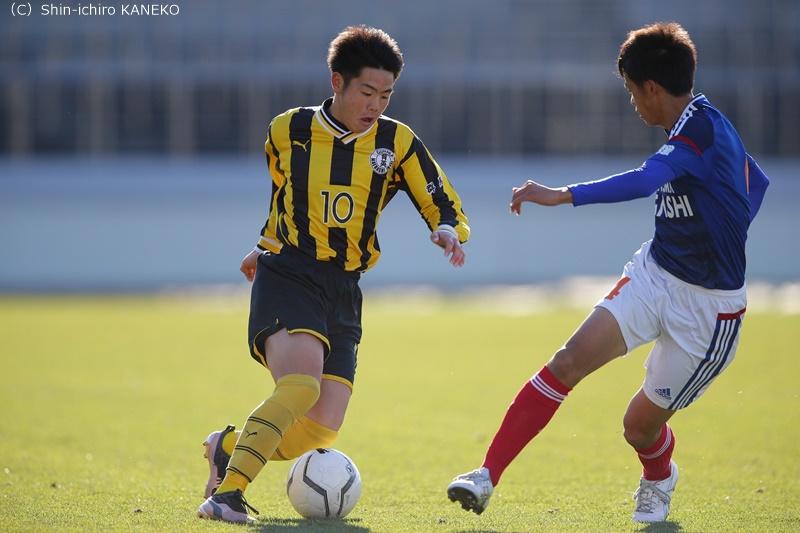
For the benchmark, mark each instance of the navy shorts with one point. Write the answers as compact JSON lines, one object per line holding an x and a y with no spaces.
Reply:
{"x":294,"y":291}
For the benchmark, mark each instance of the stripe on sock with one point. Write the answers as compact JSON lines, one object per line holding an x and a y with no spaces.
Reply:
{"x":543,"y":387}
{"x":663,"y":448}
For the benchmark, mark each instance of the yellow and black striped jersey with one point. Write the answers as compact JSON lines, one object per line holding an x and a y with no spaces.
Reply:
{"x":329,"y":185}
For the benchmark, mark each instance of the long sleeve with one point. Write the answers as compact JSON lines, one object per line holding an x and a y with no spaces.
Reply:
{"x":637,"y":183}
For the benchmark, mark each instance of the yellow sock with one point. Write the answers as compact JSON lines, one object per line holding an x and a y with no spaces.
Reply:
{"x":294,"y":394}
{"x":229,"y":441}
{"x":233,"y":481}
{"x":303,"y":435}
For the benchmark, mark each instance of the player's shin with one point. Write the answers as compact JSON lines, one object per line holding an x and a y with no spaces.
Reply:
{"x":531,"y":410}
{"x":294,"y":394}
{"x":656,"y":459}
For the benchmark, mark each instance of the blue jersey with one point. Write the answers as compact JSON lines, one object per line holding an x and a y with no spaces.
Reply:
{"x":703,"y":214}
{"x":708,"y":191}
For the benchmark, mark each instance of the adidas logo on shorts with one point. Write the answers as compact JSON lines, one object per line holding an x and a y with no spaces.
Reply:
{"x":664,"y":393}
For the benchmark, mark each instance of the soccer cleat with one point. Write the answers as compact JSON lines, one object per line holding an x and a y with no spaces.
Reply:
{"x":228,"y":507}
{"x":472,"y":490}
{"x":217,"y":459}
{"x":653,"y":497}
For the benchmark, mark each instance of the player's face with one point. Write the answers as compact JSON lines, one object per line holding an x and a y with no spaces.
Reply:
{"x":642,"y":101}
{"x":365,"y":98}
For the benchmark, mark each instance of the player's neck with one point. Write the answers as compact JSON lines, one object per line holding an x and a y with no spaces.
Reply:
{"x":335,"y":112}
{"x":673,"y":109}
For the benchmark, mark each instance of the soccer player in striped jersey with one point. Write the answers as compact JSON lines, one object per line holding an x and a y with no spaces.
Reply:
{"x":684,"y":289}
{"x":334,"y":168}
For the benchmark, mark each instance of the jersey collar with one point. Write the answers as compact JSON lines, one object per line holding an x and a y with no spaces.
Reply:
{"x":336,"y":128}
{"x":690,"y":108}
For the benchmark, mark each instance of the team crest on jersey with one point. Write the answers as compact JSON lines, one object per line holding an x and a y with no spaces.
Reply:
{"x":666,"y":149}
{"x":382,"y":160}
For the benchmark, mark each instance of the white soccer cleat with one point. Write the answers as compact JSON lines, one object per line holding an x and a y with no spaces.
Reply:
{"x":472,"y":490}
{"x":653,"y":497}
{"x":228,"y":507}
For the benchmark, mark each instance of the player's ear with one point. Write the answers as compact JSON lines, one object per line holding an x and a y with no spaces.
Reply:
{"x":337,"y":83}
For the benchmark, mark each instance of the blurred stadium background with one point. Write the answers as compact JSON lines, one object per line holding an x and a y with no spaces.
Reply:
{"x":131,"y":147}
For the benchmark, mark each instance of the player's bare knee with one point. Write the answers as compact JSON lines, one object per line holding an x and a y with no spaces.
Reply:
{"x":634,"y":438}
{"x":638,"y":435}
{"x":567,"y":367}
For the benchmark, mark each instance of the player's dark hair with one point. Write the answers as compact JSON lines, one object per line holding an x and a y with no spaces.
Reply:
{"x":357,"y":47}
{"x":661,"y":52}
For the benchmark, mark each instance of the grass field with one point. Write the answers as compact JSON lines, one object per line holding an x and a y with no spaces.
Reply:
{"x":106,"y":400}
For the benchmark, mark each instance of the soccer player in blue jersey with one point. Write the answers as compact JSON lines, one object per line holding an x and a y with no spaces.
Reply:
{"x":334,"y":167}
{"x":684,"y":289}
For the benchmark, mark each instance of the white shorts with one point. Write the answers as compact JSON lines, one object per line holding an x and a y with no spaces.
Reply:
{"x":696,"y":329}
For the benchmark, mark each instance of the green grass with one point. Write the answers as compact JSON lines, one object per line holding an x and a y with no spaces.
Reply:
{"x":105,"y":403}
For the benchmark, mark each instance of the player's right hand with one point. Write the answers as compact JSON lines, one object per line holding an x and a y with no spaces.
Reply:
{"x":530,"y":191}
{"x":248,"y":267}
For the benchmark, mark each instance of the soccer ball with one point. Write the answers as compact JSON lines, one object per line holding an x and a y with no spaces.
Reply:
{"x":323,"y":483}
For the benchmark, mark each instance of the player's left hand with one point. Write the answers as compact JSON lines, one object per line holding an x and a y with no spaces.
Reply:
{"x":451,"y":246}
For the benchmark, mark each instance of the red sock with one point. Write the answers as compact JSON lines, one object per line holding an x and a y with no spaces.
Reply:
{"x":531,"y":410}
{"x":655,"y":459}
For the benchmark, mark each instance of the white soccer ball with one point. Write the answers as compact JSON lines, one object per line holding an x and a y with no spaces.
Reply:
{"x":323,"y":483}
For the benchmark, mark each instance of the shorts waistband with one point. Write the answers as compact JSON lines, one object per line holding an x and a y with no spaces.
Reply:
{"x":726,"y":294}
{"x":327,"y":266}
